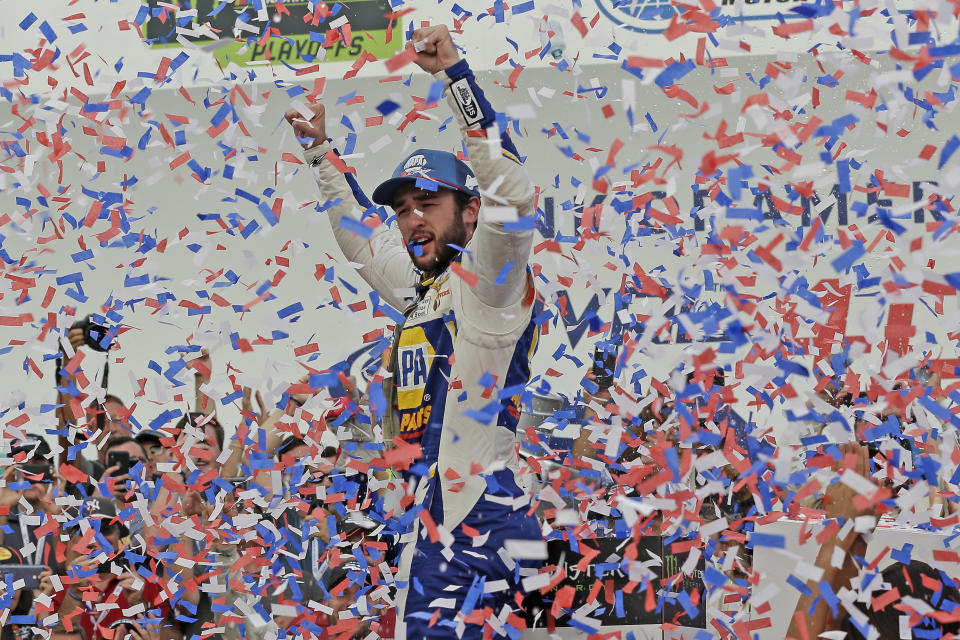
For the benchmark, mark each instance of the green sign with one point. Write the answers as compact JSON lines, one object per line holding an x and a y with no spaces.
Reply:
{"x":300,"y":32}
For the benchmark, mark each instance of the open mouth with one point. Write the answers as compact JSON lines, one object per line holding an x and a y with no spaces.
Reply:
{"x":417,"y":245}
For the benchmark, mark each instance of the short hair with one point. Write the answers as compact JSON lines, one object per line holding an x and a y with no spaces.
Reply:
{"x":461,"y":199}
{"x":116,"y":442}
{"x":908,"y":580}
{"x":196,"y":417}
{"x":107,"y":398}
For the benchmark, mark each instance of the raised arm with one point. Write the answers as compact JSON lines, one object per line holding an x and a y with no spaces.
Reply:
{"x":499,"y":171}
{"x":386,"y":265}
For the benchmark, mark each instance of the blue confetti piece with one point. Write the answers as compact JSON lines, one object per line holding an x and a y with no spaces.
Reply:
{"x":887,"y":221}
{"x":436,"y":92}
{"x":27,"y":22}
{"x":773,"y":540}
{"x":844,"y":261}
{"x":673,"y":462}
{"x":953,"y":279}
{"x":674,"y":72}
{"x":826,"y":591}
{"x":426,"y":184}
{"x":268,"y":214}
{"x":744,"y":213}
{"x":713,"y":577}
{"x":948,"y":150}
{"x":843,"y":176}
{"x":355,"y":226}
{"x":502,"y":276}
{"x":296,"y":307}
{"x":249,"y":229}
{"x":522,"y":223}
{"x":141,"y":97}
{"x":687,"y":605}
{"x":387,"y":107}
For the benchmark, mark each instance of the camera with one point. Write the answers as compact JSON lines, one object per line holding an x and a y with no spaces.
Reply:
{"x":604,"y":365}
{"x":95,"y":335}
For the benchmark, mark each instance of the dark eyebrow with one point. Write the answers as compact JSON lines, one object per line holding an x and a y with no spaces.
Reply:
{"x":420,"y":196}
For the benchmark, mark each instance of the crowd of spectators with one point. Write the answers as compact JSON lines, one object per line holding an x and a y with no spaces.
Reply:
{"x":290,"y":524}
{"x":113,"y":530}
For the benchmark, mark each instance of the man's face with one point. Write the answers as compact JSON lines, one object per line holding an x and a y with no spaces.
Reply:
{"x":112,"y":423}
{"x":318,"y":468}
{"x":429,"y":223}
{"x":209,"y":444}
{"x":35,"y":494}
{"x":156,"y":453}
{"x":135,"y":451}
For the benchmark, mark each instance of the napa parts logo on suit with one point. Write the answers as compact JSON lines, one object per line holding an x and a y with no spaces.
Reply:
{"x":653,"y":16}
{"x":413,"y":365}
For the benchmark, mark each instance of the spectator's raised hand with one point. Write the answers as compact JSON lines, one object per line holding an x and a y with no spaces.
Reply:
{"x":119,"y":486}
{"x":46,"y":583}
{"x":260,"y":415}
{"x":9,"y":497}
{"x":841,"y":500}
{"x":132,"y":586}
{"x":76,"y":338}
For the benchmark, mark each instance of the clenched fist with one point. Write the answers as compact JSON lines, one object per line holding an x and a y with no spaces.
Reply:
{"x":310,"y":132}
{"x":435,"y":48}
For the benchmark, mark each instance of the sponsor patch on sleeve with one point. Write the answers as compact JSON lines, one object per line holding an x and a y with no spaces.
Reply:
{"x":467,"y":101}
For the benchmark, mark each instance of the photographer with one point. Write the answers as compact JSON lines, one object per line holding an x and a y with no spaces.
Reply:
{"x":127,"y":469}
{"x":110,"y":420}
{"x":27,"y":499}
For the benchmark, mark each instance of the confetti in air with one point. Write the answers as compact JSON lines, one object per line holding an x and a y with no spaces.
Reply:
{"x":680,"y":362}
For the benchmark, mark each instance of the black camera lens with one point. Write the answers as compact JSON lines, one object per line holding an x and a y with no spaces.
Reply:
{"x":96,"y":336}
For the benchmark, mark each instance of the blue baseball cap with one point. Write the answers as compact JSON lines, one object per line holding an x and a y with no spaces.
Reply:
{"x":440,"y":167}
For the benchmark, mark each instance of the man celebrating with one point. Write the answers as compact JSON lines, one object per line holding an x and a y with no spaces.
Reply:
{"x":461,"y":353}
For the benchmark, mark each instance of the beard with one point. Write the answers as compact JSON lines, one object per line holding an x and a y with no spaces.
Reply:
{"x":443,"y":252}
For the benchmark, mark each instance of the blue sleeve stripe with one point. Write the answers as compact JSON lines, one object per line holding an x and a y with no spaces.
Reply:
{"x":358,"y":193}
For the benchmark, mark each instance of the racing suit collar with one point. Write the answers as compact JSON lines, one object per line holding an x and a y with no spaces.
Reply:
{"x":427,"y":278}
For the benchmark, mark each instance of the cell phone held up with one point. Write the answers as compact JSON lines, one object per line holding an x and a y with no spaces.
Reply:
{"x":119,"y":459}
{"x":604,"y":364}
{"x":29,"y":573}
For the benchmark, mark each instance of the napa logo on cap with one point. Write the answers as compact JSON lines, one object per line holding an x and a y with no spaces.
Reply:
{"x":416,"y":164}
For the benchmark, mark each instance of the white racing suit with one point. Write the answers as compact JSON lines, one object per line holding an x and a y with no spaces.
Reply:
{"x":460,"y":361}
